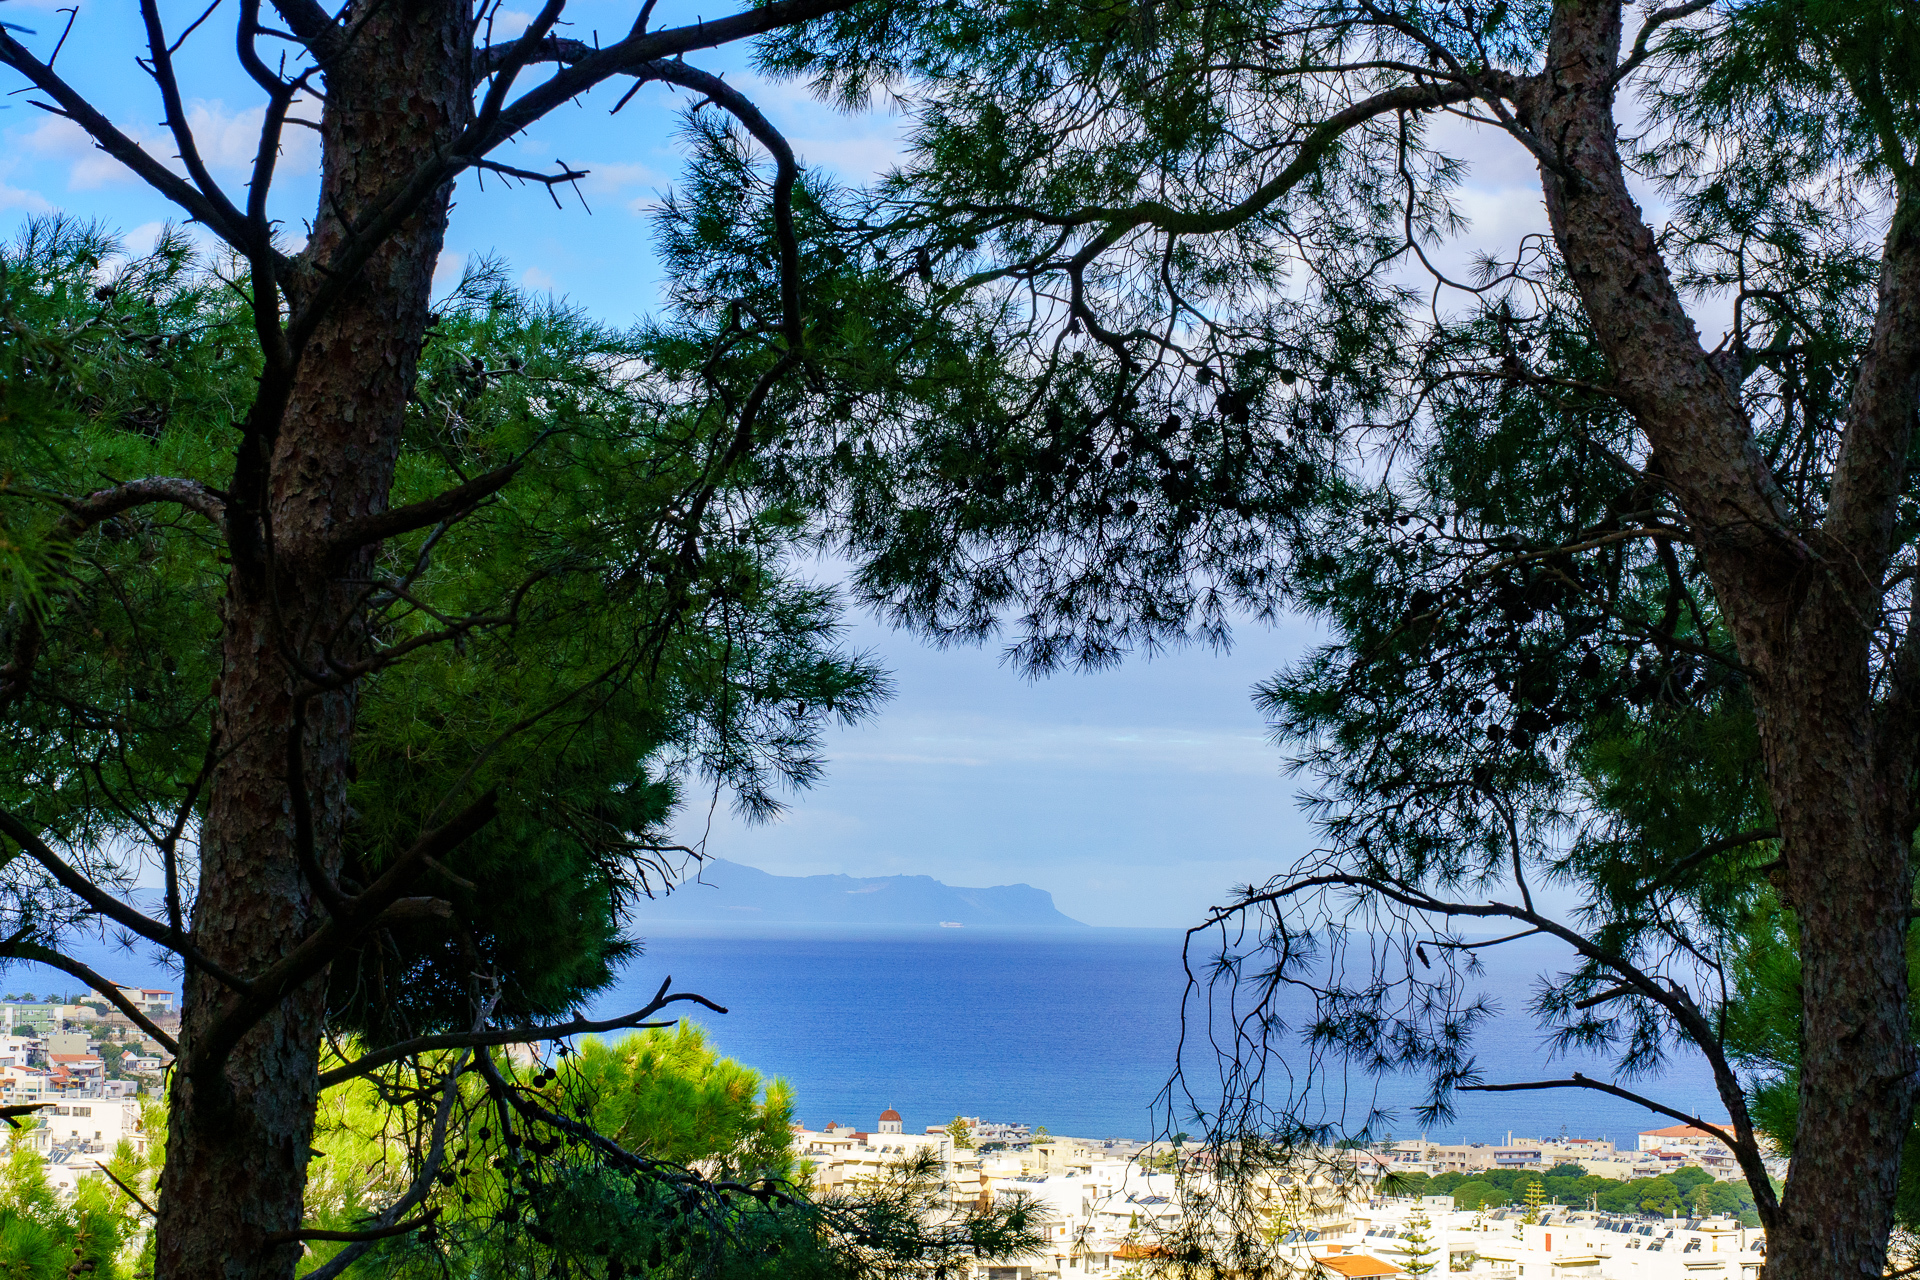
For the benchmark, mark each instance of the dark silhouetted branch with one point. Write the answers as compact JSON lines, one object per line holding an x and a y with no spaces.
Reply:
{"x":450,"y":505}
{"x":340,"y":931}
{"x":108,"y":991}
{"x":514,"y":1035}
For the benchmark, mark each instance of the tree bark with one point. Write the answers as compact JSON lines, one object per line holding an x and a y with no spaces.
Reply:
{"x":237,"y":1147}
{"x":1802,"y":608}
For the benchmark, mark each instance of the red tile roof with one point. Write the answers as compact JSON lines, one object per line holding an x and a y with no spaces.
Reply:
{"x":1359,"y":1264}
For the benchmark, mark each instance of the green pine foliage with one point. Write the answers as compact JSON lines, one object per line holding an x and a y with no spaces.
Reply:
{"x":99,"y":1231}
{"x":721,"y":1192}
{"x":1418,"y":1248}
{"x":559,"y":643}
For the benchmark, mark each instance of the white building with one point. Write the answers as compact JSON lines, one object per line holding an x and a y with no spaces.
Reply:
{"x":1682,"y":1138}
{"x":96,"y":1124}
{"x":1563,"y":1244}
{"x":841,"y":1158}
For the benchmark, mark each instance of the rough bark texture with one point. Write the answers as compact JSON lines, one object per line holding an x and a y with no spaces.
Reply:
{"x":238,"y":1133}
{"x":1801,"y":607}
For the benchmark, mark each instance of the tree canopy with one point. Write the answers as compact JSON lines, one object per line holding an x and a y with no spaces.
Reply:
{"x":1158,"y":323}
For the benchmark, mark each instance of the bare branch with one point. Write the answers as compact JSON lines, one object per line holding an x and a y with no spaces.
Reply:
{"x":108,"y":991}
{"x":161,"y":68}
{"x":576,"y":1026}
{"x":1579,"y":1081}
{"x":222,"y":221}
{"x":130,"y":1192}
{"x":12,"y":1113}
{"x":105,"y":904}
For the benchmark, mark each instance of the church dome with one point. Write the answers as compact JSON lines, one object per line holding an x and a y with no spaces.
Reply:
{"x":889,"y":1116}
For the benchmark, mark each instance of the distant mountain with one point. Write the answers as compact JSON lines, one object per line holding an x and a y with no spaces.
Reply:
{"x":731,"y":892}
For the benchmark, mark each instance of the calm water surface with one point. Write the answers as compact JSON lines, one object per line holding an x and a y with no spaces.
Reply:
{"x":1077,"y":1031}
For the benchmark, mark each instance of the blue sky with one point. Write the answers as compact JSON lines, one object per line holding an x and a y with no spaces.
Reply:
{"x":1136,"y":796}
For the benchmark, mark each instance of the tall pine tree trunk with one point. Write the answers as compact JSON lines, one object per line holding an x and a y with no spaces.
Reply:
{"x":237,"y":1147}
{"x":1844,"y":839}
{"x":1801,"y":607}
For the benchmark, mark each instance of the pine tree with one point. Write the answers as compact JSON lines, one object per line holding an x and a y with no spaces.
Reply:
{"x":1418,"y":1246}
{"x":1557,"y":536}
{"x":961,"y":1133}
{"x":1536,"y":1195}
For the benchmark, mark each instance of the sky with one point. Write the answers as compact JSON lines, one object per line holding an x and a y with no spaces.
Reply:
{"x":1137,"y":796}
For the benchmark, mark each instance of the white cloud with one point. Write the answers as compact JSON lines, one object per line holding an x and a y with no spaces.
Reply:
{"x":508,"y":23}
{"x":229,"y":140}
{"x":21,"y":198}
{"x":535,"y":278}
{"x":12,"y":197}
{"x":446,"y":271}
{"x":141,"y":239}
{"x":58,"y":138}
{"x":616,"y":176}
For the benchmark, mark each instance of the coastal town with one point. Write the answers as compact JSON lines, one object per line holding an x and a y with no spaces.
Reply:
{"x":87,"y":1069}
{"x":1114,"y":1209}
{"x":1666,"y":1205}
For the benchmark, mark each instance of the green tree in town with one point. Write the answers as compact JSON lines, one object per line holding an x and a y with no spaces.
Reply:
{"x":1535,"y":1196}
{"x":1417,"y":1246}
{"x":961,"y":1133}
{"x":1480,"y":1193}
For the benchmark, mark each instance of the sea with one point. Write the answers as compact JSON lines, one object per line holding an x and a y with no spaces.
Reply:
{"x":1079,"y":1030}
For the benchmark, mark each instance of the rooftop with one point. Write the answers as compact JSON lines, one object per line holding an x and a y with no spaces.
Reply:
{"x":1359,"y":1264}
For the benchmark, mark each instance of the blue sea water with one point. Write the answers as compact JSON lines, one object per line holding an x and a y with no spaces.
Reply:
{"x":1074,"y":1029}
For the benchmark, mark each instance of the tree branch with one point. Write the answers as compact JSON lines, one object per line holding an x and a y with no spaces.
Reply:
{"x":1579,"y":1081}
{"x":131,"y":1194}
{"x":1312,"y":150}
{"x":787,"y":173}
{"x":109,"y":991}
{"x":1871,"y":469}
{"x":1713,"y":850}
{"x":161,"y":68}
{"x":355,"y":916}
{"x":1678,"y":1005}
{"x":372,"y":1233}
{"x":577,"y":1026}
{"x":429,"y":1168}
{"x":105,"y":904}
{"x":83,"y":514}
{"x":109,"y":139}
{"x":351,"y":535}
